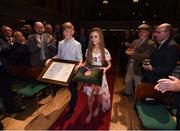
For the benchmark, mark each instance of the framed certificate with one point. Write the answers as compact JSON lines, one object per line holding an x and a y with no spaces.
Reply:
{"x":58,"y":72}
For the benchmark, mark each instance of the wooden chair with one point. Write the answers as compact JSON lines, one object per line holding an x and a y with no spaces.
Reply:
{"x":25,"y":84}
{"x":152,"y":114}
{"x":29,"y":90}
{"x":146,"y":90}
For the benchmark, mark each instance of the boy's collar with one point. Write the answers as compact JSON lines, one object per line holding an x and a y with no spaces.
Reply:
{"x":69,"y":39}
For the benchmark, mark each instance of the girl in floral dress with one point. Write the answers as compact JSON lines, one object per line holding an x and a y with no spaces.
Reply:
{"x":97,"y":55}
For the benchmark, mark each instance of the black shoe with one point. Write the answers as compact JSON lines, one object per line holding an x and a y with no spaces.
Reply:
{"x":125,"y":94}
{"x":69,"y":114}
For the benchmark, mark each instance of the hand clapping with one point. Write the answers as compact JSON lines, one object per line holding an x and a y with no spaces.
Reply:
{"x":171,"y":84}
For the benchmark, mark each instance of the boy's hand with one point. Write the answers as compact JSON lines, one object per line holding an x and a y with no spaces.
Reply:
{"x":78,"y":66}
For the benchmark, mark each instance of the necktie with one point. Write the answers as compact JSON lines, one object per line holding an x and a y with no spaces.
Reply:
{"x":42,"y":57}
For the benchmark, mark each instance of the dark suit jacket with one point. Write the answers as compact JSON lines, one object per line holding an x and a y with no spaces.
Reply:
{"x":5,"y":50}
{"x":20,"y":54}
{"x":35,"y":51}
{"x":3,"y":40}
{"x":163,"y":61}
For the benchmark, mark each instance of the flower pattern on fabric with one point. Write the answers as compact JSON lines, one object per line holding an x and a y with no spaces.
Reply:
{"x":104,"y":89}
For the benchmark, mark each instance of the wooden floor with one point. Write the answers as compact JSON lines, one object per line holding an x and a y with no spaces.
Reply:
{"x":123,"y":116}
{"x":48,"y":112}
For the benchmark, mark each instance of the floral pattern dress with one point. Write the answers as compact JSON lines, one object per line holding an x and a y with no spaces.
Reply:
{"x":104,"y":89}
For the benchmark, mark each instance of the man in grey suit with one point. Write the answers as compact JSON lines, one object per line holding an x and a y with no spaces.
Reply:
{"x":139,"y":50}
{"x":41,"y":46}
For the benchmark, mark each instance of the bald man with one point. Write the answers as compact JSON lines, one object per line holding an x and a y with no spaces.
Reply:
{"x":40,"y":46}
{"x":163,"y":61}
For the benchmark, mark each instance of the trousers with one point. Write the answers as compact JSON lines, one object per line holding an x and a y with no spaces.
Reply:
{"x":73,"y":88}
{"x":131,"y":79}
{"x":5,"y":89}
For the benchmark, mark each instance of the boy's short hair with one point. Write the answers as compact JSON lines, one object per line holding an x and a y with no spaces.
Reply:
{"x":67,"y":25}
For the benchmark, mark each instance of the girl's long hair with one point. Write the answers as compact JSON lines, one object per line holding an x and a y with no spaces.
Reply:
{"x":101,"y":46}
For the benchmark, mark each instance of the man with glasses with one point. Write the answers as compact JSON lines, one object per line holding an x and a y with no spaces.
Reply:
{"x":163,"y":60}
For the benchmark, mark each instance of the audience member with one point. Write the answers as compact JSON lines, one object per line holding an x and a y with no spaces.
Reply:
{"x":124,"y":45}
{"x":49,"y":31}
{"x":6,"y":37}
{"x":5,"y":47}
{"x":82,"y":37}
{"x":5,"y":81}
{"x":171,"y":84}
{"x":57,"y":33}
{"x":139,"y":50}
{"x":27,"y":30}
{"x":163,"y":60}
{"x":153,"y":35}
{"x":41,"y":47}
{"x":20,"y":54}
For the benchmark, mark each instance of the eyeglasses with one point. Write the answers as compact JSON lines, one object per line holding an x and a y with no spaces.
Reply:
{"x":158,"y":32}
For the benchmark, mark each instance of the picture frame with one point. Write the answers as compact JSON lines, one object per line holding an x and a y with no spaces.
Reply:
{"x":58,"y":72}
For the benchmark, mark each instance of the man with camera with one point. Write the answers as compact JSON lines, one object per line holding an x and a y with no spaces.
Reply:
{"x":163,"y":60}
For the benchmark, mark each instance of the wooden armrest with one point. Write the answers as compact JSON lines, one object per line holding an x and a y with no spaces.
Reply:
{"x":25,"y":71}
{"x":18,"y":71}
{"x":34,"y":72}
{"x":146,"y":90}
